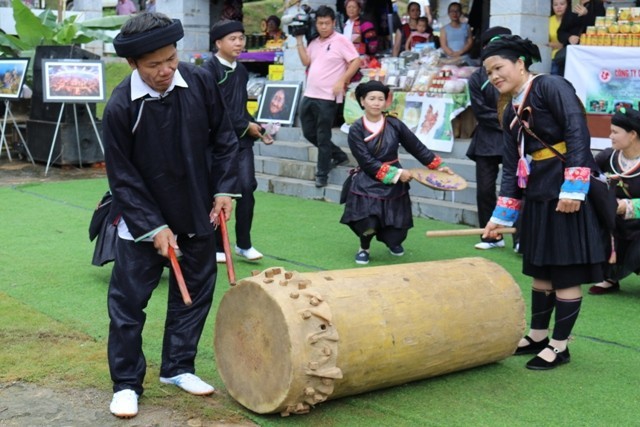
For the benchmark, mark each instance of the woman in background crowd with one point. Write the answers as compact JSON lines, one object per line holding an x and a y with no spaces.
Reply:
{"x":622,"y":163}
{"x":273,"y":29}
{"x":404,"y":31}
{"x":361,"y":33}
{"x":564,"y":29}
{"x":455,"y":38}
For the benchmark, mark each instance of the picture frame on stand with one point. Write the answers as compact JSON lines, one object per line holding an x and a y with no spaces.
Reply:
{"x":73,"y":80}
{"x":12,"y":75}
{"x":278,"y":103}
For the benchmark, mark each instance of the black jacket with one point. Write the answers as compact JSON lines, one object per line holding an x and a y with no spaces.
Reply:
{"x":488,"y":136}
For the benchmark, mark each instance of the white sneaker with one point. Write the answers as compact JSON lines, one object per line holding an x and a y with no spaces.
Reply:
{"x":251,"y":254}
{"x":490,"y":245}
{"x":189,"y":383}
{"x":124,"y":404}
{"x":221,"y":258}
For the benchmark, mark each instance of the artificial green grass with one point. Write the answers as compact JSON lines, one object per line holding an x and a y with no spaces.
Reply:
{"x":45,"y":274}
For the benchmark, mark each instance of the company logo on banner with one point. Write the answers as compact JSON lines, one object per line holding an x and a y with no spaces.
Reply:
{"x":605,"y":78}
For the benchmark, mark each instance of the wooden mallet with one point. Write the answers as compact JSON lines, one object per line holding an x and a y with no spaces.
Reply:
{"x":179,"y":278}
{"x":227,"y":249}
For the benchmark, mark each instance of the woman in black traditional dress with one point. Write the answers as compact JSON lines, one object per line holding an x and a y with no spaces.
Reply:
{"x":561,"y":240}
{"x":378,"y":201}
{"x":622,"y":164}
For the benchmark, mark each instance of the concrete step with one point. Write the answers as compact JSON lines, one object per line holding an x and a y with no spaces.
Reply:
{"x":440,"y":209}
{"x":305,"y":170}
{"x":460,"y":146}
{"x":305,"y":152}
{"x":288,"y":167}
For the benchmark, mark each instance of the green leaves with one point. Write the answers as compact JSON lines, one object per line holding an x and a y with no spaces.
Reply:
{"x":30,"y":28}
{"x":44,"y":29}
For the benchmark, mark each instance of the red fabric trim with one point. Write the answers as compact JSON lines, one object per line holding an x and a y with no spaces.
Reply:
{"x":435,"y":163}
{"x":382,"y":172}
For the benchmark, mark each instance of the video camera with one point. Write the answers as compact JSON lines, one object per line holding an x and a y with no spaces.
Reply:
{"x":304,"y":24}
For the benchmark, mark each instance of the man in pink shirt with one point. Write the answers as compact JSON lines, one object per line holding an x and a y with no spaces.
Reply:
{"x":331,"y":61}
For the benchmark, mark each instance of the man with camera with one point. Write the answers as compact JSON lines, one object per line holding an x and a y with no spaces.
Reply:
{"x":331,"y":61}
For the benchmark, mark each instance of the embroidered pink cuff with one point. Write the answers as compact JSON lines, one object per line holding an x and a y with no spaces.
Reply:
{"x":576,"y":182}
{"x":506,"y":211}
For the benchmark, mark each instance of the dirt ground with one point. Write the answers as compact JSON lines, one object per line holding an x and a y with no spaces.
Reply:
{"x":20,"y":171}
{"x":27,"y":404}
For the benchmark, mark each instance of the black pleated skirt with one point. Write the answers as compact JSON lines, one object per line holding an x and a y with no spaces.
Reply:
{"x":566,"y":249}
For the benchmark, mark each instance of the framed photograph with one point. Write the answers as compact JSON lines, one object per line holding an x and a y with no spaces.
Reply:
{"x":278,"y":103}
{"x":12,"y":73}
{"x":73,"y":80}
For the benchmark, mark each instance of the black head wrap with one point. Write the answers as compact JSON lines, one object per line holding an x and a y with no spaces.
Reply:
{"x":219,"y":31}
{"x":627,"y":118}
{"x":492,"y":32}
{"x":137,"y":44}
{"x":371,"y":86}
{"x":512,"y":46}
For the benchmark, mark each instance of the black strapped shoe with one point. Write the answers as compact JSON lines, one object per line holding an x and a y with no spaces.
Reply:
{"x":539,"y":364}
{"x":534,"y":347}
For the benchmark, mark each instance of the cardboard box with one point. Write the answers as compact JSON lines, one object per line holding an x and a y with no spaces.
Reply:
{"x":276,"y":72}
{"x":252,"y":107}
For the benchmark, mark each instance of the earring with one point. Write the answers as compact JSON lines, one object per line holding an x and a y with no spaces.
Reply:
{"x":522,"y":72}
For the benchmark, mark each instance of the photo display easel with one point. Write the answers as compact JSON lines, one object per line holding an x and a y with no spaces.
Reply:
{"x":73,"y":81}
{"x":12,"y":75}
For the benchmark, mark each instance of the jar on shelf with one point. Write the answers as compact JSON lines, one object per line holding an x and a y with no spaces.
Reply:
{"x":624,"y":14}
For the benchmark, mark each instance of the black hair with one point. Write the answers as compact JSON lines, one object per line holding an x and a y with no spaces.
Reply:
{"x":144,"y":22}
{"x":275,"y":20}
{"x":455,"y":3}
{"x":324,"y":12}
{"x":413,"y":2}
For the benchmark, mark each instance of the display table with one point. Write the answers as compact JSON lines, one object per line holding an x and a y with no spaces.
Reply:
{"x":257,"y":56}
{"x":605,"y":78}
{"x":258,"y":61}
{"x":429,"y":116}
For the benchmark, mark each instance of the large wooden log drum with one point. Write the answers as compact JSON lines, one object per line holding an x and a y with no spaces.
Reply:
{"x":285,"y":341}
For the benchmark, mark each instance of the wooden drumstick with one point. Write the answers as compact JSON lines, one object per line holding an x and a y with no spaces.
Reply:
{"x":467,"y":232}
{"x":227,"y":249}
{"x":179,"y":278}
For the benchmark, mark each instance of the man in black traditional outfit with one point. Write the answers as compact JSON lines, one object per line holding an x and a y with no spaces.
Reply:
{"x":171,"y":156}
{"x":232,"y":77}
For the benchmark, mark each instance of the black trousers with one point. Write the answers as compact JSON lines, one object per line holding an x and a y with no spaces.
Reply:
{"x":487,"y":169}
{"x":246,"y":204}
{"x":316,"y":119}
{"x":134,"y":277}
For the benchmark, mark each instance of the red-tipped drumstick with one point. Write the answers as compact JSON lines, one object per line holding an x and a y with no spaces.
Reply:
{"x":227,"y":249}
{"x":179,"y":278}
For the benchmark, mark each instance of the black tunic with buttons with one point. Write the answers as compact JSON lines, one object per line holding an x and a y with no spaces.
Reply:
{"x":182,"y":153}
